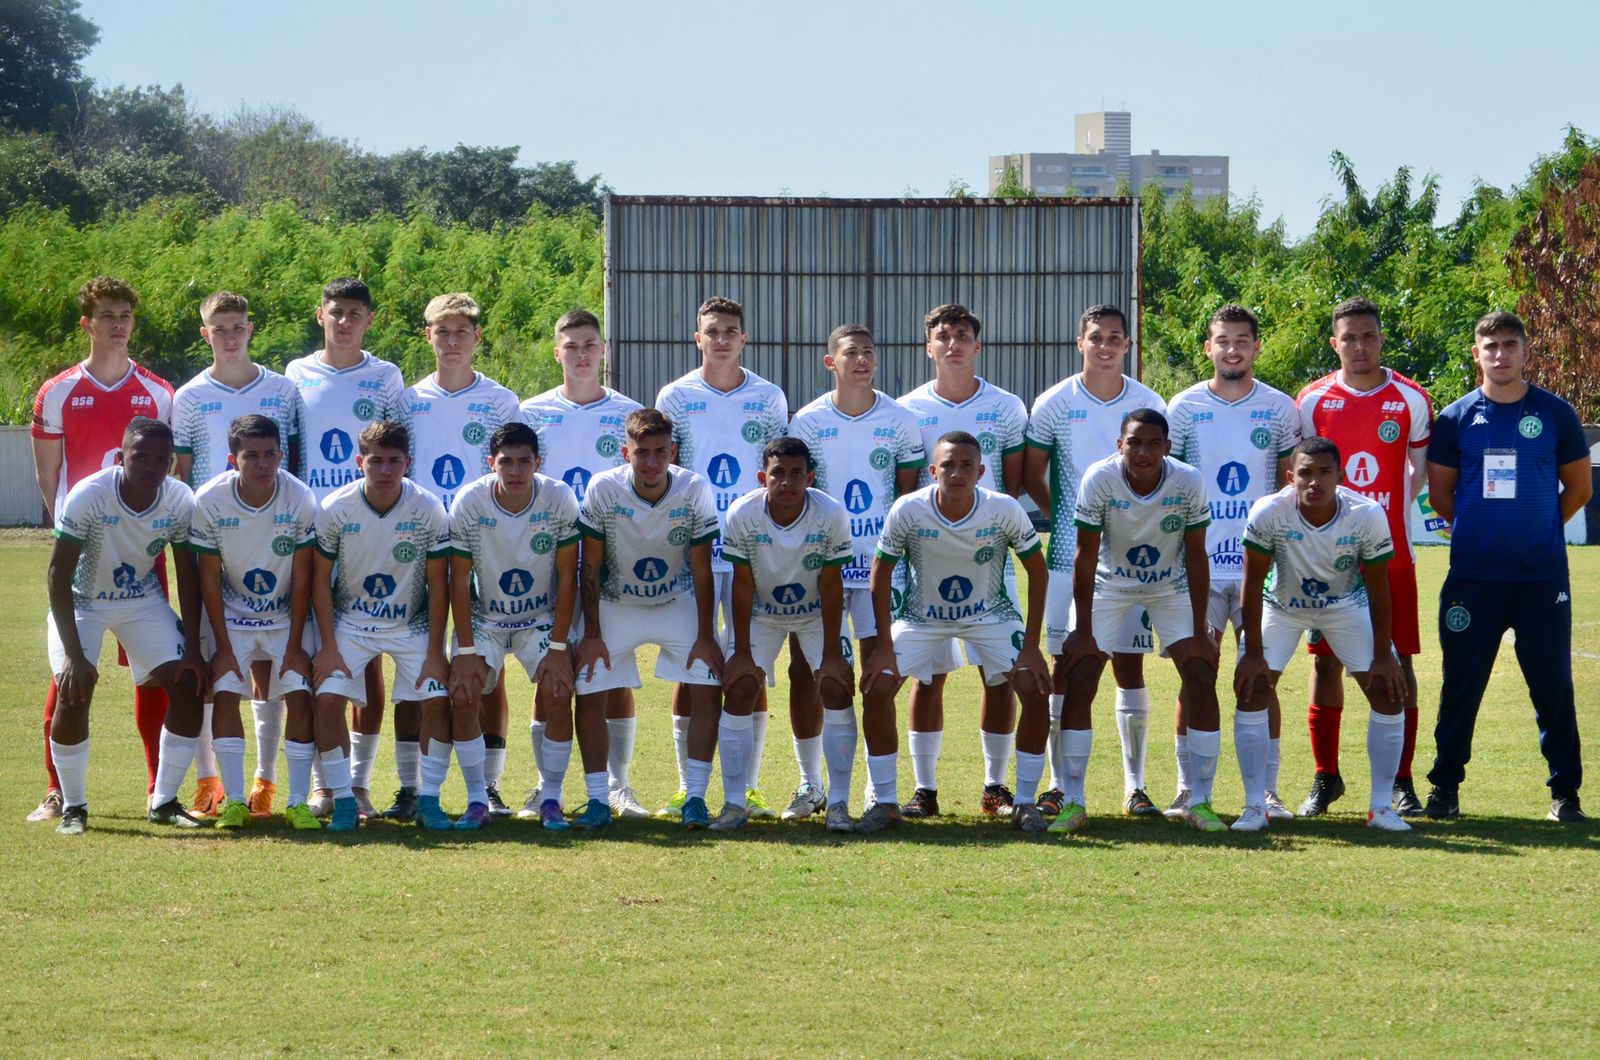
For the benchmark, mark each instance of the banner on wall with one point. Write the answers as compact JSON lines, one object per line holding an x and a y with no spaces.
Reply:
{"x":1429,"y":528}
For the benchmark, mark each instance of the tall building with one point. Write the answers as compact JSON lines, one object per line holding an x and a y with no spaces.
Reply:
{"x":1103,"y":156}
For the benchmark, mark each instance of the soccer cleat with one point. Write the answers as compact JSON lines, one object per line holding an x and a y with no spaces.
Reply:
{"x":530,"y":805}
{"x":594,"y":815}
{"x":364,"y":803}
{"x":1179,"y":805}
{"x":301,"y":818}
{"x":1326,"y":788}
{"x":1386,"y":820}
{"x":924,"y":802}
{"x":1444,"y":804}
{"x":756,"y":805}
{"x":1072,"y":818}
{"x":74,"y":820}
{"x":235,"y":814}
{"x":624,"y":803}
{"x":404,"y":807}
{"x":808,"y":799}
{"x":1050,"y":802}
{"x":260,"y":798}
{"x":1276,"y":810}
{"x":1138,"y":804}
{"x":1027,"y":818}
{"x":1253,"y":819}
{"x":695,"y":814}
{"x":1564,"y":807}
{"x":431,"y":815}
{"x":1406,"y":803}
{"x":551,"y":817}
{"x":320,"y":804}
{"x":497,"y":805}
{"x":477,"y":817}
{"x":172,"y":812}
{"x":838,"y":819}
{"x":346,"y":816}
{"x":49,"y":808}
{"x":997,"y":800}
{"x":731,"y":819}
{"x":882,"y":816}
{"x":674,"y":806}
{"x":208,"y":797}
{"x":1202,"y":818}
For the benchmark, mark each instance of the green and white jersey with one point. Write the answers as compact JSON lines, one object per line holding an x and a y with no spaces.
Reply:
{"x":380,"y":574}
{"x":786,"y":560}
{"x":339,"y":403}
{"x":257,"y":546}
{"x":647,"y":544}
{"x":450,"y":431}
{"x":577,"y":442}
{"x":857,"y":458}
{"x":1141,"y":538}
{"x":1318,"y":567}
{"x":1236,"y":446}
{"x":1076,"y":429}
{"x":720,"y":434}
{"x":121,"y":547}
{"x":513,"y":553}
{"x":956,"y":571}
{"x":203,"y":409}
{"x":996,"y":417}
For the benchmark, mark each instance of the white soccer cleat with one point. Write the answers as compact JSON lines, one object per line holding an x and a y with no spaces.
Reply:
{"x":624,"y":803}
{"x":530,"y":806}
{"x":321,"y":804}
{"x":731,"y":819}
{"x":1276,"y":810}
{"x":1387,"y":820}
{"x":1253,"y":819}
{"x":1180,"y":805}
{"x":808,"y":799}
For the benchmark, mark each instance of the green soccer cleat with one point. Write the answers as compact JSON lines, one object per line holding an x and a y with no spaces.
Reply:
{"x":235,"y":814}
{"x":431,"y":815}
{"x":1072,"y":818}
{"x":301,"y":819}
{"x":674,"y":806}
{"x":1203,"y":818}
{"x":757,"y":806}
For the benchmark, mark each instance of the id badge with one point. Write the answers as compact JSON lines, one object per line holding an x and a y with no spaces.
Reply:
{"x":1500,"y":474}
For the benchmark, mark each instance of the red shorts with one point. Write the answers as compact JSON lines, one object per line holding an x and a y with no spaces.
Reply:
{"x":1403,"y":623}
{"x":161,"y":576}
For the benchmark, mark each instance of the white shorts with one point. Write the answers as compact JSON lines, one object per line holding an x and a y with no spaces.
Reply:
{"x":1131,"y":636}
{"x":858,"y":612}
{"x":671,"y":626}
{"x":261,"y":645}
{"x":1225,"y":605}
{"x":767,"y":640}
{"x":527,"y":645}
{"x":922,"y":652}
{"x":150,"y":633}
{"x":409,"y":651}
{"x":1169,"y":617}
{"x":1348,"y":631}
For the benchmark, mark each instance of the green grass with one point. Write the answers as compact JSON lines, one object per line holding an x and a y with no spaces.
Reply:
{"x":952,"y":937}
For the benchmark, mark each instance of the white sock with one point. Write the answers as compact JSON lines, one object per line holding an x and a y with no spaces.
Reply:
{"x":925,"y":758}
{"x":996,"y":755}
{"x":1274,"y":762}
{"x":269,"y":715}
{"x":1180,"y":744}
{"x":1057,"y":705}
{"x":300,"y":756}
{"x":494,"y":763}
{"x":536,"y":738}
{"x":696,"y":778}
{"x":758,"y":748}
{"x":1029,"y":769}
{"x":1204,"y":748}
{"x":318,"y":781}
{"x":839,"y":747}
{"x":556,"y":756}
{"x":363,"y":752}
{"x":433,"y":769}
{"x":808,"y":755}
{"x":407,"y":754}
{"x":472,"y":757}
{"x":205,"y":758}
{"x":680,"y":740}
{"x":595,"y":785}
{"x":1386,"y":737}
{"x":230,"y":765}
{"x":619,"y":755}
{"x":177,"y":754}
{"x":1133,"y":725}
{"x":72,"y":769}
{"x":1075,"y":747}
{"x":735,"y":743}
{"x":336,"y":772}
{"x":1250,"y":747}
{"x":884,"y":771}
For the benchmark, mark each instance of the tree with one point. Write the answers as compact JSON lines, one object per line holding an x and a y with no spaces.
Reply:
{"x":41,"y":43}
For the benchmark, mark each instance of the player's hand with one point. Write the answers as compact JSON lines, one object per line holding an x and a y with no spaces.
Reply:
{"x":1031,"y":666}
{"x":708,"y":651}
{"x":836,"y":668}
{"x":327,"y":662}
{"x":295,"y":661}
{"x":740,"y":667}
{"x":435,"y":667}
{"x":195,"y":667}
{"x":1386,"y":679}
{"x":1248,"y":675}
{"x":224,"y":662}
{"x":468,"y":675}
{"x":1077,"y":647}
{"x":1198,"y":648}
{"x":881,"y":665}
{"x":591,"y":650}
{"x":555,"y":677}
{"x":75,"y":684}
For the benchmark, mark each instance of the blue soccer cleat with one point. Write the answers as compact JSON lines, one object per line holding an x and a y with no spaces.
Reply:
{"x":695,"y":814}
{"x":346,"y":815}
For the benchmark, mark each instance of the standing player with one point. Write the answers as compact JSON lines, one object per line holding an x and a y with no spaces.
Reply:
{"x":723,"y":415}
{"x":1076,"y":423}
{"x":580,"y":435}
{"x":1316,"y":553}
{"x":788,"y":544}
{"x":451,"y":415}
{"x":1237,"y":432}
{"x":1380,"y":420}
{"x":866,"y":450}
{"x":78,"y":421}
{"x":958,"y":399}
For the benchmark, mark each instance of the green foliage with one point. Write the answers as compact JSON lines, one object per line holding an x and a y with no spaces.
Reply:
{"x":41,"y":42}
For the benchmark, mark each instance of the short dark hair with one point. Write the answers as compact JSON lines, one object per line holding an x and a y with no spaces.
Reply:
{"x":513,"y":432}
{"x":1234,"y":314}
{"x":1499,"y":320}
{"x":646,"y":423}
{"x":1096,"y":313}
{"x":951,"y":313}
{"x":845,"y":331}
{"x":348,"y":288}
{"x":105,"y":289}
{"x":1150,"y":416}
{"x":577,"y":318}
{"x":1316,"y":445}
{"x":959,"y":438}
{"x":384,"y":434}
{"x":787,"y":445}
{"x":145,"y":427}
{"x":253,"y":426}
{"x":718,"y":304}
{"x":1357,"y":307}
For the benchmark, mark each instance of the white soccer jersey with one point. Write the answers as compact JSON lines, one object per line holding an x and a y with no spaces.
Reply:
{"x":257,"y":546}
{"x":450,"y":431}
{"x":513,"y":553}
{"x":117,"y":567}
{"x":857,"y":459}
{"x":996,"y":417}
{"x":1076,"y":429}
{"x":1236,"y":446}
{"x":786,"y":560}
{"x":1141,"y":538}
{"x":380,"y":574}
{"x":647,"y":545}
{"x":720,"y":434}
{"x":1318,"y":566}
{"x":203,"y":409}
{"x":577,"y":442}
{"x":338,"y":404}
{"x":956,"y":571}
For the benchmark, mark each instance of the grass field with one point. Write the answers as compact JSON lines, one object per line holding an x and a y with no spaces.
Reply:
{"x":959,"y":936}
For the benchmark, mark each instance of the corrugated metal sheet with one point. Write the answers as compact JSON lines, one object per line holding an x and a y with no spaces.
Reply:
{"x":20,"y":505}
{"x":801,"y":267}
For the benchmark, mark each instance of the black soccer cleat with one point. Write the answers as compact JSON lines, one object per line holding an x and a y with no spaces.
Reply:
{"x":174,"y":813}
{"x":1406,"y":803}
{"x":924,"y":802}
{"x":497,"y":805}
{"x":74,"y":820}
{"x":1050,"y":802}
{"x":1564,"y":807}
{"x":404,"y":807}
{"x":1326,"y":788}
{"x":1444,"y":804}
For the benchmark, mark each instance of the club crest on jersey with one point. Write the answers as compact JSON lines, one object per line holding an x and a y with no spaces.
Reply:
{"x":678,"y":536}
{"x":1344,"y":563}
{"x":607,"y":446}
{"x":791,"y":594}
{"x":448,"y":471}
{"x":516,"y":582}
{"x":474,"y":434}
{"x":542,"y":543}
{"x":651,"y":568}
{"x":154,"y":548}
{"x":1530,"y":426}
{"x":259,"y":581}
{"x":752,"y":432}
{"x":955,"y":589}
{"x":1144,"y":556}
{"x":336,"y":446}
{"x":723,"y":471}
{"x":812,"y":561}
{"x":857,"y":496}
{"x":881,"y":459}
{"x":364,"y":409}
{"x":1016,"y":639}
{"x":1260,"y":437}
{"x":405,"y":552}
{"x":1171,"y":524}
{"x":987,"y":442}
{"x":984,"y":554}
{"x":379,"y":586}
{"x":1389,"y":430}
{"x":1233,"y":478}
{"x":283,"y":546}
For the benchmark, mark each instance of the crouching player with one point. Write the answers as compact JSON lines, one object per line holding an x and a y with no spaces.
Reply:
{"x":1316,"y":553}
{"x":788,"y":544}
{"x":513,"y":588}
{"x":955,"y":537}
{"x":110,"y":532}
{"x":379,"y":586}
{"x":254,"y":526}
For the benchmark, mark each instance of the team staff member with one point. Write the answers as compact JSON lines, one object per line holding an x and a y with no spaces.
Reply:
{"x":1508,"y":466}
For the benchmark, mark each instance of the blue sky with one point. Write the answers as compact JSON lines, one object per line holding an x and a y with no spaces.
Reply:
{"x":868,"y":99}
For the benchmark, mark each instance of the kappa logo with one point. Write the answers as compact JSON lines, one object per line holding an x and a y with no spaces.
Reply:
{"x":335,"y":446}
{"x":1233,"y":478}
{"x":379,"y":586}
{"x":1563,"y":598}
{"x":955,"y":589}
{"x":857,"y":496}
{"x":448,"y":471}
{"x":516,"y":582}
{"x":789,"y":595}
{"x":1479,"y":420}
{"x":259,"y":581}
{"x":650,"y":569}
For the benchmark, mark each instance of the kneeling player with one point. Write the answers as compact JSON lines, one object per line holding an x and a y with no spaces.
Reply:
{"x":787,"y":543}
{"x":955,"y":536}
{"x":1326,"y":549}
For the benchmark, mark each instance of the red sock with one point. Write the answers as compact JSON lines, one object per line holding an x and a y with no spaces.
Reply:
{"x":1324,"y":724}
{"x":1409,"y":748}
{"x":49,"y":716}
{"x":149,"y":712}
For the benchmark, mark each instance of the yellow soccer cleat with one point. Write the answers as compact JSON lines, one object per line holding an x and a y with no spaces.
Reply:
{"x":234,"y":814}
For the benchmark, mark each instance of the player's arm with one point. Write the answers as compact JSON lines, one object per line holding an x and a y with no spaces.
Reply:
{"x":905,"y":478}
{"x":1013,"y":471}
{"x":1385,"y":668}
{"x":75,"y":684}
{"x":1253,"y":663}
{"x":1576,"y":487}
{"x":182,"y":466}
{"x":47,"y":461}
{"x":740,"y":665}
{"x":437,"y":664}
{"x":556,"y":668}
{"x":705,"y":647}
{"x":1442,"y":483}
{"x":1035,"y":465}
{"x":1031,"y":658}
{"x":328,"y":661}
{"x":1080,"y":643}
{"x":592,"y":648}
{"x":467,"y":674}
{"x":882,"y":663}
{"x":1417,"y":473}
{"x":222,"y":658}
{"x":295,"y":658}
{"x":188,"y":572}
